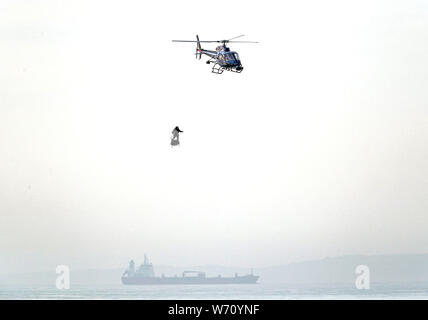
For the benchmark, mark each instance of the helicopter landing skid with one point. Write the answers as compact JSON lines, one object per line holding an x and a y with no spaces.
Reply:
{"x":235,"y":70}
{"x":217,"y":69}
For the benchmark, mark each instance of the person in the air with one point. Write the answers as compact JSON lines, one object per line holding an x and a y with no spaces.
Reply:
{"x":175,"y":140}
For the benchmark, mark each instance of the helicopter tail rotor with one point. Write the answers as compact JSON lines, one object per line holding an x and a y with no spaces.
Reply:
{"x":198,"y":48}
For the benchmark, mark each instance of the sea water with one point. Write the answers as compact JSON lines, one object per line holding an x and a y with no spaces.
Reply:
{"x":217,"y":292}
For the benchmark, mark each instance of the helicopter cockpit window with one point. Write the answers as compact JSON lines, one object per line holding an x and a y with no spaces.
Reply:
{"x":229,"y":56}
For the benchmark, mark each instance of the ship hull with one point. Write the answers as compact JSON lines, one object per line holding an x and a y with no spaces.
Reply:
{"x":250,"y":279}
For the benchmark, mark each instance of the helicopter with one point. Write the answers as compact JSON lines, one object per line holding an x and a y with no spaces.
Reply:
{"x":222,"y":57}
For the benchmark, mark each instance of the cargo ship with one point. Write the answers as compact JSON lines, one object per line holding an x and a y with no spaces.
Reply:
{"x":145,"y":275}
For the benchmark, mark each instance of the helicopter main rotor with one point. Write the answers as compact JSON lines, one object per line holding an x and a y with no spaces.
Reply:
{"x":218,"y":41}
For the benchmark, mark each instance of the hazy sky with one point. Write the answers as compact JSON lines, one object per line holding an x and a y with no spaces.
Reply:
{"x":319,"y":148}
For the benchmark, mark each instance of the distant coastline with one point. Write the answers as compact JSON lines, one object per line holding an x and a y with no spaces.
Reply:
{"x":404,"y":268}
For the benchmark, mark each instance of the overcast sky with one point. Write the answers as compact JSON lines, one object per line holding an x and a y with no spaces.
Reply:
{"x":318,"y":148}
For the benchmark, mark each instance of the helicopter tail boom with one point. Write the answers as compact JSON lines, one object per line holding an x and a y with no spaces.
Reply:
{"x":198,"y":48}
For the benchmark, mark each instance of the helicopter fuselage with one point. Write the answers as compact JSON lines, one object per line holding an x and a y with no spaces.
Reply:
{"x":224,"y":58}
